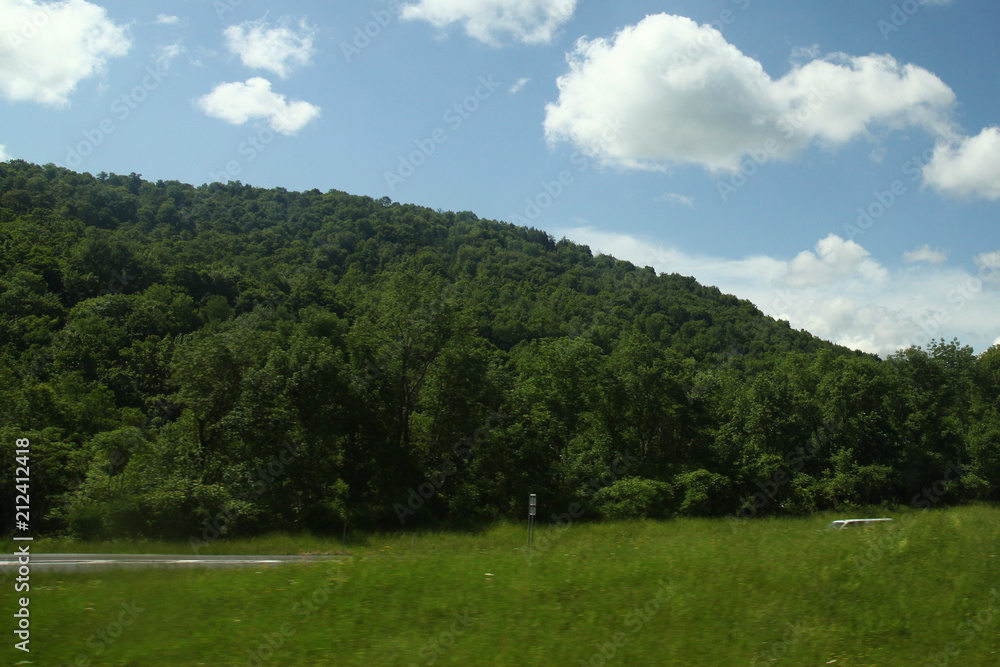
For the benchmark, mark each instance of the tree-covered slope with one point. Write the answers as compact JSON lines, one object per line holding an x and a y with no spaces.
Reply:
{"x":187,"y":359}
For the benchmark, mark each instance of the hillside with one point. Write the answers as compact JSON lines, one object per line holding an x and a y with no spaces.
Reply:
{"x":193,"y":360}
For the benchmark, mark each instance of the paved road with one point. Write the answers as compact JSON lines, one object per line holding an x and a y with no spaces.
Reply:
{"x":85,"y":562}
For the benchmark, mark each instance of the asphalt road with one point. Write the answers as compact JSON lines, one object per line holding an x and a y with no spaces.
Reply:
{"x":85,"y":562}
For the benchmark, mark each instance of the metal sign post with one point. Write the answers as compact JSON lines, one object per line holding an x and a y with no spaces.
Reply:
{"x":531,"y":518}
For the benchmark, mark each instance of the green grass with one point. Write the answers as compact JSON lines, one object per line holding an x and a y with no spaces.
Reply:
{"x":277,"y":543}
{"x":765,"y":592}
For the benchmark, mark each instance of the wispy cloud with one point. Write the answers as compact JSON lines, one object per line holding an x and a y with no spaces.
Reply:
{"x":166,"y":54}
{"x":674,"y":199}
{"x":494,"y":21}
{"x":519,"y":85}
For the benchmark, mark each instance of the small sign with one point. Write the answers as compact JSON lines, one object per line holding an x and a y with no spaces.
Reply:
{"x":531,"y":505}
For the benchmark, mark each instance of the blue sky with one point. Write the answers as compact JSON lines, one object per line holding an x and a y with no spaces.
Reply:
{"x":837,"y":163}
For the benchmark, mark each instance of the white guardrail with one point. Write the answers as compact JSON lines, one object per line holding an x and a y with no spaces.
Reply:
{"x":841,"y":524}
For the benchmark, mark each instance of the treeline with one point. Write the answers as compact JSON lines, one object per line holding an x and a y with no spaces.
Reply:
{"x":192,"y":360}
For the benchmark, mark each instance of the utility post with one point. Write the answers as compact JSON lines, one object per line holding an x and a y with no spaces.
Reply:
{"x":531,"y":519}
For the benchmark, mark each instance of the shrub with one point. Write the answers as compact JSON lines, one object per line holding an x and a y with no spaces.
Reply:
{"x":705,"y":493}
{"x":634,"y":498}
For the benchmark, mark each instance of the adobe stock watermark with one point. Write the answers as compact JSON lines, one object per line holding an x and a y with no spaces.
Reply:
{"x":119,"y":457}
{"x":364,"y":35}
{"x":885,"y":541}
{"x":787,"y":303}
{"x":695,"y":48}
{"x":260,"y":480}
{"x":454,"y":117}
{"x":223,"y":7}
{"x":248,"y":150}
{"x":777,"y":650}
{"x":298,"y":614}
{"x":121,"y":108}
{"x":795,"y":459}
{"x":634,"y":621}
{"x":29,"y":29}
{"x":605,"y":307}
{"x":752,"y":332}
{"x":900,"y":16}
{"x":788,"y":125}
{"x":443,"y":641}
{"x":969,"y":629}
{"x":962,"y":294}
{"x":117,"y":283}
{"x":464,"y":450}
{"x":552,"y":190}
{"x":101,"y":641}
{"x":165,"y":409}
{"x":883,"y":200}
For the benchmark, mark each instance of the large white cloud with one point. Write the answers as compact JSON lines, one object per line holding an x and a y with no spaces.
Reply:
{"x":3,"y":153}
{"x":47,"y":49}
{"x":491,"y":21}
{"x":280,"y":49}
{"x":237,"y":103}
{"x":838,"y":292}
{"x":682,"y":94}
{"x":969,"y":168}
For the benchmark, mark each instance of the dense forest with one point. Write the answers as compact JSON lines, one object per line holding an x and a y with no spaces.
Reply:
{"x":223,"y":359}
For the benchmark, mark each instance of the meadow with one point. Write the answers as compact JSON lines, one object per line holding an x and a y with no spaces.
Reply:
{"x":923,"y":590}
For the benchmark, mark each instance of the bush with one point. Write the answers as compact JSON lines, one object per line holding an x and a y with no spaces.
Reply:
{"x":634,"y":498}
{"x":85,"y":521}
{"x":705,"y":493}
{"x":853,"y":485}
{"x":178,"y":509}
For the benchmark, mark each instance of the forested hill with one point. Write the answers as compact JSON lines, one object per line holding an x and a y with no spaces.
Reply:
{"x":187,"y":361}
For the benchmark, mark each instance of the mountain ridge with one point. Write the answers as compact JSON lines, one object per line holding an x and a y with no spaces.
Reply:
{"x":161,"y":340}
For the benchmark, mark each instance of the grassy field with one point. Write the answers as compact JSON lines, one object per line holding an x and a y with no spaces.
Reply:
{"x":924,"y":590}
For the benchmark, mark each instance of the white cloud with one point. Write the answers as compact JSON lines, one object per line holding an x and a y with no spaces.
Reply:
{"x":989,"y":266}
{"x":47,"y":49}
{"x":489,"y":21}
{"x":519,"y":85}
{"x":835,"y":259}
{"x":3,"y":153}
{"x":280,"y":49}
{"x":166,"y":19}
{"x":166,"y":54}
{"x":673,"y":199}
{"x":924,"y":254}
{"x":806,"y":53}
{"x":237,"y":103}
{"x":969,"y":168}
{"x":838,"y":291}
{"x":683,"y":95}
